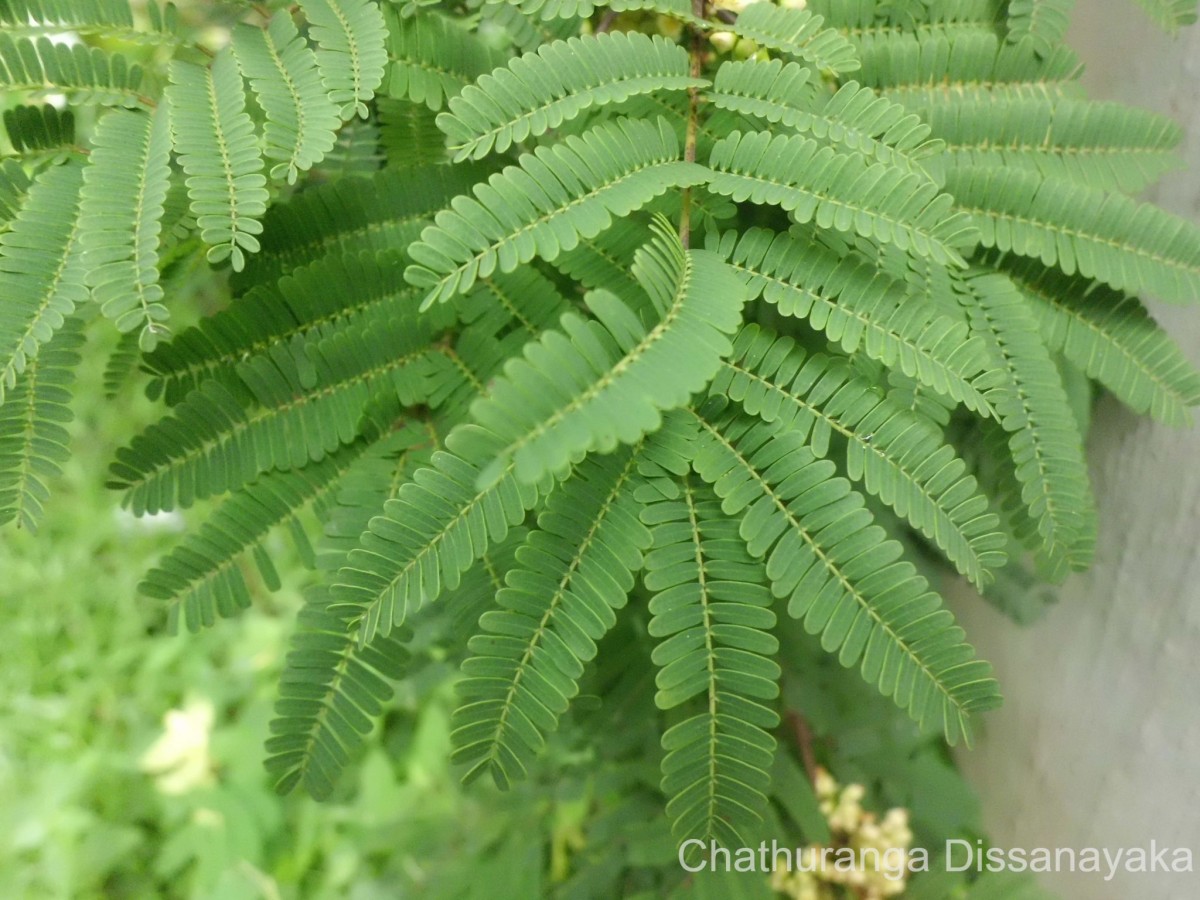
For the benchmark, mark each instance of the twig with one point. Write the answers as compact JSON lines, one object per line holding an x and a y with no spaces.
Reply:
{"x":606,"y":21}
{"x":803,"y":736}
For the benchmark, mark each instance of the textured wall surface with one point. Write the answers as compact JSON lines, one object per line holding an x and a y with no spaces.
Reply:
{"x":1098,"y":744}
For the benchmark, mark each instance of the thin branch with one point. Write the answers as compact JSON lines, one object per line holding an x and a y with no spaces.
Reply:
{"x":803,"y":736}
{"x":606,"y":21}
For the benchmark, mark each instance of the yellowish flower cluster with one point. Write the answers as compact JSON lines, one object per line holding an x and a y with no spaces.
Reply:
{"x":867,"y":856}
{"x":743,"y":48}
{"x":179,"y":760}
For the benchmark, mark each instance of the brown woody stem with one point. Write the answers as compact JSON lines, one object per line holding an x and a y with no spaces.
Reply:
{"x":803,"y":736}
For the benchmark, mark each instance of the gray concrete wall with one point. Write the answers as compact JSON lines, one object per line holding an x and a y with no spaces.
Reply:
{"x":1098,"y":743}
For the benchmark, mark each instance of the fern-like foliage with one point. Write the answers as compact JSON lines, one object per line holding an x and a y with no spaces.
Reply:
{"x":356,"y":152}
{"x":605,"y":381}
{"x":525,"y":301}
{"x":408,"y":134}
{"x":540,"y":91}
{"x":301,"y":117}
{"x":14,"y":188}
{"x":1101,"y":144}
{"x":40,"y":66}
{"x":572,"y":573}
{"x":383,"y":212}
{"x":547,"y":203}
{"x":307,"y":303}
{"x":924,"y":71}
{"x":36,"y":131}
{"x":833,"y":565}
{"x":120,"y":211}
{"x":101,"y":18}
{"x":375,"y":477}
{"x":215,"y":141}
{"x":712,"y":615}
{"x":577,"y":9}
{"x":332,"y":688}
{"x":606,"y":261}
{"x":292,"y":404}
{"x":1111,"y":337}
{"x":798,"y":33}
{"x":433,"y":58}
{"x":857,"y":306}
{"x":201,"y":578}
{"x":330,"y":692}
{"x":896,"y":453}
{"x":866,"y":22}
{"x":1046,"y":447}
{"x":41,"y":270}
{"x":33,"y":440}
{"x":590,"y":352}
{"x":351,"y":52}
{"x":1108,"y":237}
{"x":854,"y":117}
{"x":526,"y":32}
{"x":842,"y":191}
{"x":1041,"y":22}
{"x":440,"y":523}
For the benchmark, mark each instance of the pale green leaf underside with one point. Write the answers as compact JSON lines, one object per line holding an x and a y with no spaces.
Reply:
{"x":219,"y":152}
{"x":351,"y":53}
{"x":302,"y":118}
{"x":542,"y":90}
{"x":121,"y":208}
{"x":41,"y":273}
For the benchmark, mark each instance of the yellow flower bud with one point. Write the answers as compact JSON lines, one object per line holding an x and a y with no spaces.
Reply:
{"x":824,"y":784}
{"x":723,"y":40}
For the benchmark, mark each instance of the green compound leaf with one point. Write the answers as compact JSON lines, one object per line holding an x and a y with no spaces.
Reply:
{"x":547,"y":202}
{"x":218,"y":150}
{"x":542,"y":90}
{"x":121,"y":208}
{"x":302,"y":119}
{"x":351,"y":50}
{"x":41,"y":270}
